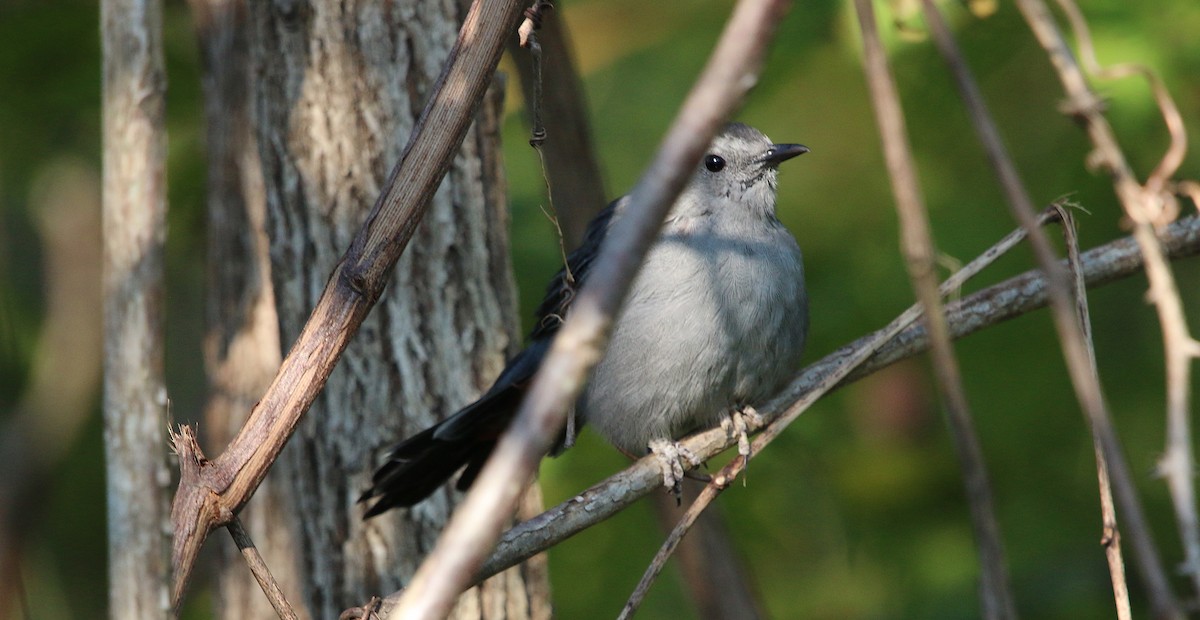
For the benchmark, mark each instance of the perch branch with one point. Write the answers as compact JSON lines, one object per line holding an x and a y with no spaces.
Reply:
{"x":865,"y":349}
{"x":995,"y":304}
{"x":211,"y":492}
{"x":917,"y":242}
{"x":733,"y":68}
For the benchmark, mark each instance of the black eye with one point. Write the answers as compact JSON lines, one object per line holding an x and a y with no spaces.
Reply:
{"x":714,"y":163}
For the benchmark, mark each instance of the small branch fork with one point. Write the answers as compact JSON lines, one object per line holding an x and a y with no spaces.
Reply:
{"x":1145,"y":206}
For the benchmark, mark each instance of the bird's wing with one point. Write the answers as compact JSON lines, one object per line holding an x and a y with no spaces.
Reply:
{"x":421,"y":463}
{"x":509,"y":387}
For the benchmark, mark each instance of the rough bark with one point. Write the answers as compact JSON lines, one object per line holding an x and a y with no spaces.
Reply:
{"x":241,"y":344}
{"x":134,"y":225}
{"x":337,"y":89}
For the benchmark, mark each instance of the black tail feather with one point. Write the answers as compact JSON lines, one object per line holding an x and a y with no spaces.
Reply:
{"x":428,"y":463}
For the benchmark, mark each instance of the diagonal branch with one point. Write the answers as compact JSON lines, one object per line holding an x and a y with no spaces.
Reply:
{"x":211,"y":492}
{"x":1141,"y":205}
{"x":917,"y":240}
{"x":733,"y":68}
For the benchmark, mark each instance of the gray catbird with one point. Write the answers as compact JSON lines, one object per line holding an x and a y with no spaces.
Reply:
{"x":715,"y":323}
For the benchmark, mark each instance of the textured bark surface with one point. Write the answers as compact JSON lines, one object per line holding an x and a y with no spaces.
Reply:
{"x":241,"y":346}
{"x":134,"y":225}
{"x":337,"y":89}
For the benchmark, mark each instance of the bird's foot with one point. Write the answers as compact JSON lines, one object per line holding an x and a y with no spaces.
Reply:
{"x":739,"y":423}
{"x":671,"y":457}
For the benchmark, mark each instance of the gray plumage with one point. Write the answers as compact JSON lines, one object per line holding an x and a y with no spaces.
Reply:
{"x":715,"y":322}
{"x":717,"y":317}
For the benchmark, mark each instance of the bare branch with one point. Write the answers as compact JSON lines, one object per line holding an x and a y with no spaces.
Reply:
{"x":732,"y":70}
{"x":917,"y":241}
{"x":210,"y":492}
{"x":1141,"y":206}
{"x":1111,"y":536}
{"x":259,"y":569}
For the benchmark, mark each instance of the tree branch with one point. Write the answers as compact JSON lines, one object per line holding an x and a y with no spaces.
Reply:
{"x":1006,"y":300}
{"x":210,"y":492}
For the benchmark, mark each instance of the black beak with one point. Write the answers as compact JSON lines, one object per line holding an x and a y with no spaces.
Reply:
{"x":779,"y":153}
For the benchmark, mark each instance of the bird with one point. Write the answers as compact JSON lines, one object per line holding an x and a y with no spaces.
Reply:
{"x":714,"y":324}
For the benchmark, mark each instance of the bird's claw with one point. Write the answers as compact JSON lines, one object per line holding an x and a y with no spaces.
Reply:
{"x":739,"y":423}
{"x":671,"y":457}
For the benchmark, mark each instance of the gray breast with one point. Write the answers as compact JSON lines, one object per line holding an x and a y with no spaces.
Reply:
{"x":713,"y":321}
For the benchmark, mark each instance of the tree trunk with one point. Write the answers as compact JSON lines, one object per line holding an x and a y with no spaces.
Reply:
{"x":135,"y":227}
{"x":241,"y":346}
{"x":337,"y":88}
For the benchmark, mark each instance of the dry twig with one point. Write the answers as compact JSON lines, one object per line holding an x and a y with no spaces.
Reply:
{"x":1111,"y":536}
{"x":1140,"y":205}
{"x":1074,"y":343}
{"x":917,"y":241}
{"x":259,"y":569}
{"x":1155,"y":205}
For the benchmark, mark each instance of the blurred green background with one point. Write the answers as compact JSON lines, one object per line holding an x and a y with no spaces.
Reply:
{"x":858,"y":510}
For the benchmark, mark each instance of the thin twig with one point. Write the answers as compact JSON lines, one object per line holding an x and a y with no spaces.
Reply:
{"x":569,"y":160}
{"x":1086,"y":383}
{"x":1111,"y":535}
{"x":1178,"y":462}
{"x":917,"y":241}
{"x":995,"y":304}
{"x":259,"y":569}
{"x":719,"y":483}
{"x":475,"y":526}
{"x":1173,"y":158}
{"x":1157,"y":206}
